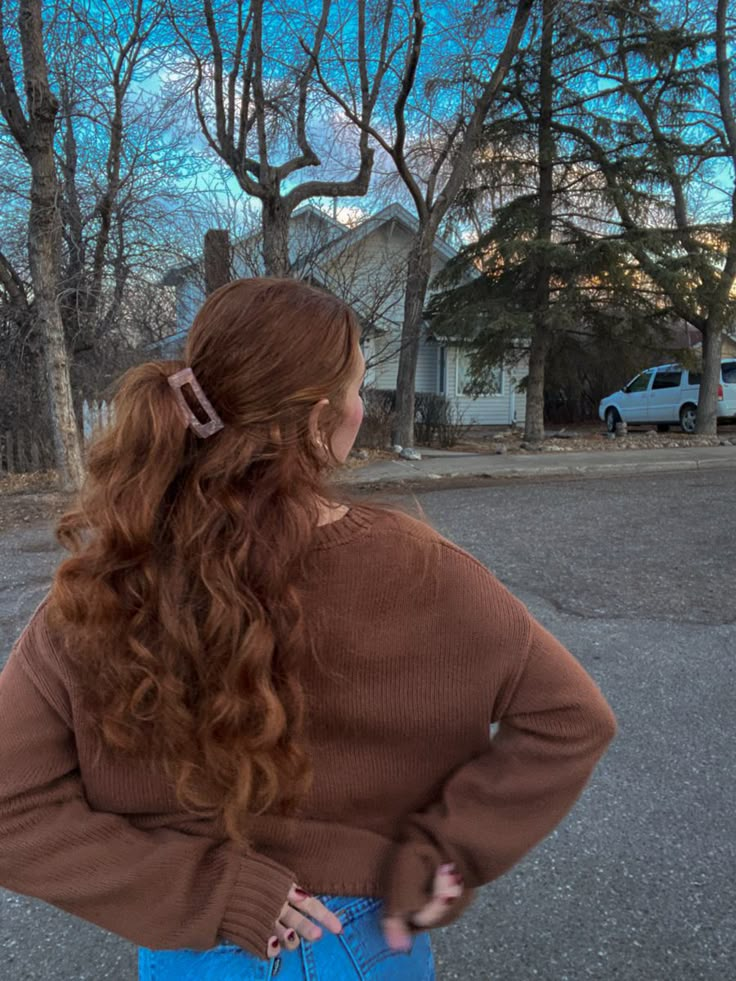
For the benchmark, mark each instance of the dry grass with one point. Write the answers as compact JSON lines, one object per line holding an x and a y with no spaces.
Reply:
{"x":23,"y":483}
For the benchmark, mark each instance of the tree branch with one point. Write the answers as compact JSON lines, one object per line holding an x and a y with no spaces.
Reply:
{"x":13,"y":285}
{"x":10,"y":106}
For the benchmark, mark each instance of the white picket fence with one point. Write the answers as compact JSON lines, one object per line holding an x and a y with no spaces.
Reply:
{"x":95,"y":414}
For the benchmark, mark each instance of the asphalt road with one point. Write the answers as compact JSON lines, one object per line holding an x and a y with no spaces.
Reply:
{"x":636,"y":576}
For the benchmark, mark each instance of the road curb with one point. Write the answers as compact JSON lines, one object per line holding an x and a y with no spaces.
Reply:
{"x":556,"y":471}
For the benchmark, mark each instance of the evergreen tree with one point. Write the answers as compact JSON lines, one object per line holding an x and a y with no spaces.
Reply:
{"x":586,"y":237}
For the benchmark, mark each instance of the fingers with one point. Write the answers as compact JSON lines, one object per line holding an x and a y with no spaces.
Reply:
{"x":302,"y":917}
{"x":293,"y":920}
{"x":447,"y":887}
{"x":310,"y":906}
{"x":396,"y":934}
{"x":286,"y":936}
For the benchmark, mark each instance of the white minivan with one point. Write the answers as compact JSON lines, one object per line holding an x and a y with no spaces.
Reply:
{"x":667,"y":395}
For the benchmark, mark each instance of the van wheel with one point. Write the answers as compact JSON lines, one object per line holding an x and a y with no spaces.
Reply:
{"x":663,"y":427}
{"x":688,"y":418}
{"x":612,"y":417}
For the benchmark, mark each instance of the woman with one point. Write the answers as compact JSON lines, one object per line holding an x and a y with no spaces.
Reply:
{"x":249,"y":727}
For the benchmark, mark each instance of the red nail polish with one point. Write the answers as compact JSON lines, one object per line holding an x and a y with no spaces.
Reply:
{"x":273,"y":943}
{"x":448,"y":899}
{"x":291,"y":936}
{"x":300,"y":894}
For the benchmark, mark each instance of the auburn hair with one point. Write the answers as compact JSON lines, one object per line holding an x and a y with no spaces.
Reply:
{"x":179,"y":598}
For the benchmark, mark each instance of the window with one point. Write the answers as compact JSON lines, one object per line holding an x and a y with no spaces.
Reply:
{"x":669,"y":378}
{"x":490,"y":383}
{"x":640,"y":383}
{"x":728,"y":374}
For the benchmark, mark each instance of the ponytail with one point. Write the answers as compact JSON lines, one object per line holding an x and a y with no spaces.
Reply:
{"x":133,"y":463}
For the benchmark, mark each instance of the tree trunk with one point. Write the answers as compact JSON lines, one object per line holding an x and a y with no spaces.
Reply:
{"x":43,"y":253}
{"x":417,"y":283}
{"x":275,"y":225}
{"x":710,"y":379}
{"x":534,"y":424}
{"x":216,"y":259}
{"x":44,"y":228}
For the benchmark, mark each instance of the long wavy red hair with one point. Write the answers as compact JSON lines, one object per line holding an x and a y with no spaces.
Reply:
{"x":180,"y":593}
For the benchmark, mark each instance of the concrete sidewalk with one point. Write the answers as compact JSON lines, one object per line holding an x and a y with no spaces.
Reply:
{"x":436,"y":465}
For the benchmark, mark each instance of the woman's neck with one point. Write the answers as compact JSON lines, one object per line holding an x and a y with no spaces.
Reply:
{"x":331,"y":512}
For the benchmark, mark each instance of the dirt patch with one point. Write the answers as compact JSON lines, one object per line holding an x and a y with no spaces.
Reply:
{"x":581,"y":439}
{"x":30,"y":499}
{"x":360,"y":457}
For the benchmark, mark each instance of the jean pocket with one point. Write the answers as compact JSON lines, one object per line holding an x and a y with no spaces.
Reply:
{"x":374,"y":960}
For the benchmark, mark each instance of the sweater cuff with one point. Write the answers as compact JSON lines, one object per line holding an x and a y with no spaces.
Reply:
{"x":409,"y":880}
{"x":259,"y":892}
{"x":409,"y":876}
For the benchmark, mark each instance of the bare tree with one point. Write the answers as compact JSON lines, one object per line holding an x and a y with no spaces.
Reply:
{"x":433,"y":169}
{"x":96,"y":69}
{"x":130,"y":200}
{"x":253,"y":93}
{"x":32,"y":128}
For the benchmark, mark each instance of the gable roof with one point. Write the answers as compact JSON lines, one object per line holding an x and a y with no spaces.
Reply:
{"x":392,"y":213}
{"x":340,"y":238}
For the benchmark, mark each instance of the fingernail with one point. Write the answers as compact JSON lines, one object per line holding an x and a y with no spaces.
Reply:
{"x":448,"y":899}
{"x":447,"y":868}
{"x":458,"y":878}
{"x":300,"y":894}
{"x":273,"y":943}
{"x":291,"y":936}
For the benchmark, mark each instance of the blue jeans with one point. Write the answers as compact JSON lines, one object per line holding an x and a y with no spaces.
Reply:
{"x":358,"y":954}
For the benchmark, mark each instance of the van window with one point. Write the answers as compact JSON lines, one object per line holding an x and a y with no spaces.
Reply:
{"x":728,"y":374}
{"x":640,"y":383}
{"x":669,"y":378}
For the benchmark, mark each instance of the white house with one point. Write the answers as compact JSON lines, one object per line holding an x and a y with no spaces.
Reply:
{"x":365,"y":264}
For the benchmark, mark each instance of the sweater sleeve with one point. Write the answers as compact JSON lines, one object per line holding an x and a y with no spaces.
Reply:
{"x":161,"y":888}
{"x":553,"y":728}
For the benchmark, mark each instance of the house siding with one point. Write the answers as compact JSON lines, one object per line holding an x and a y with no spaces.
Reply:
{"x":487,"y":410}
{"x":385,"y":373}
{"x":189,"y":298}
{"x":426,"y":376}
{"x":370,"y":275}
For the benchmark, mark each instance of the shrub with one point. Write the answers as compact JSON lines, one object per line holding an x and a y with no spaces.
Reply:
{"x":437,"y":421}
{"x":375,"y":432}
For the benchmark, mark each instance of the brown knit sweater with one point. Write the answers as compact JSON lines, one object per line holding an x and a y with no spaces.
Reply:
{"x":422,"y":649}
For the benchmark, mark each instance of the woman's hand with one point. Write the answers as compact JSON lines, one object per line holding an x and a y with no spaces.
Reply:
{"x":446,"y":889}
{"x":301,"y":918}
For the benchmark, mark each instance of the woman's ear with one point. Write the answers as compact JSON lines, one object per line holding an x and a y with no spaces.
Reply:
{"x":315,"y":416}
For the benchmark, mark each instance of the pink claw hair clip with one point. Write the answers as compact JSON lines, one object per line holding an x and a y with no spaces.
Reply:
{"x":204,"y":429}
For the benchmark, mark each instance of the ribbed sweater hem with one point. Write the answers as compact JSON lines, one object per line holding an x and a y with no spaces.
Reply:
{"x":259,"y":892}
